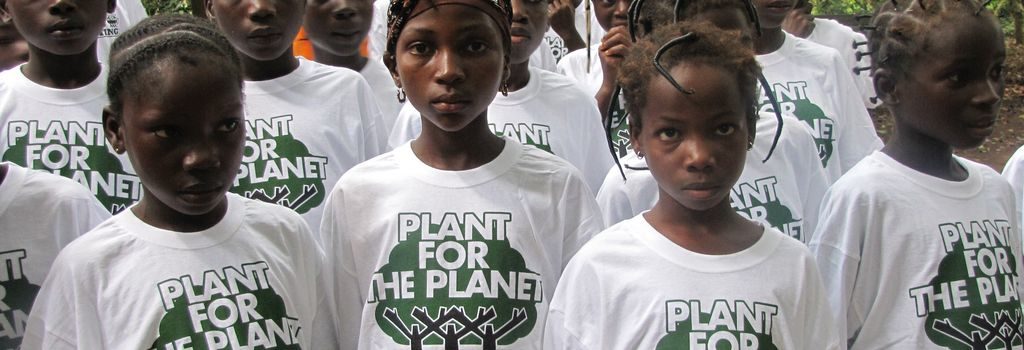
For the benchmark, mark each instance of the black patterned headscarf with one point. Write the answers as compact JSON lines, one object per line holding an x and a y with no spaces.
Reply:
{"x":401,"y":11}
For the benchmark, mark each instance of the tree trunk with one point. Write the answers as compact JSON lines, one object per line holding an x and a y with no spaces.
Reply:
{"x":1018,"y":32}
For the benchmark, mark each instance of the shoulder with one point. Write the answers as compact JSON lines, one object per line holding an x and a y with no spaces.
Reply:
{"x":870,"y":175}
{"x":615,"y":245}
{"x":268,"y":214}
{"x":811,"y":53}
{"x":382,"y":169}
{"x":992,"y":179}
{"x":318,"y":73}
{"x":536,"y":162}
{"x":48,"y":189}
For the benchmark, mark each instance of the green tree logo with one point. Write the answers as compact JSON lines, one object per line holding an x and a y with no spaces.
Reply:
{"x":759,"y":201}
{"x":459,"y":283}
{"x":793,"y":99}
{"x":277,"y":168}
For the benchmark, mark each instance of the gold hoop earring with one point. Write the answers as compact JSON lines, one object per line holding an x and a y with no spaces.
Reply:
{"x":504,"y":88}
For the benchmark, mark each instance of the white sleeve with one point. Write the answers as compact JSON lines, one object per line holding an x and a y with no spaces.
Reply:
{"x":64,"y":315}
{"x":378,"y":35}
{"x":543,"y":58}
{"x":817,"y":325}
{"x":597,"y":158}
{"x":857,"y":136}
{"x":815,"y":180}
{"x":556,"y":336}
{"x":407,"y":126}
{"x":613,"y":198}
{"x":374,"y":132}
{"x":836,"y":247}
{"x":581,"y":214}
{"x":345,"y":299}
{"x":573,"y":307}
{"x":1013,"y":172}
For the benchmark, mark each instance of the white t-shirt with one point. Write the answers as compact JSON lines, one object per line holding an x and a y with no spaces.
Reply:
{"x":574,"y":66}
{"x":304,"y":130}
{"x":384,"y":90}
{"x":912,"y":261}
{"x":40,"y":213}
{"x":810,"y":82}
{"x":414,"y":248}
{"x":61,"y":131}
{"x":250,"y":280}
{"x":833,"y":34}
{"x":378,"y":34}
{"x":784,"y":192}
{"x":550,"y":113}
{"x":1013,"y":171}
{"x":127,"y":14}
{"x":543,"y":58}
{"x":633,"y":288}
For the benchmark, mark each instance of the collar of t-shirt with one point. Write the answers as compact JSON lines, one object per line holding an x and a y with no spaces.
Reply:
{"x":282,"y":83}
{"x":212,"y":236}
{"x":412,"y":165}
{"x":780,"y":55}
{"x":685,"y":258}
{"x":524,"y":95}
{"x":27,"y":88}
{"x":953,"y":189}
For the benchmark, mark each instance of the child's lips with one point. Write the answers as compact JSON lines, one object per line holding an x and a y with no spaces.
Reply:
{"x":64,"y":30}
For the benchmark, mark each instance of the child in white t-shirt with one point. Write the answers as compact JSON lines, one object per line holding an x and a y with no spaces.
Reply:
{"x":919,"y":248}
{"x":680,"y":275}
{"x":50,"y":107}
{"x":307,"y":123}
{"x":813,"y":83}
{"x":337,"y":29}
{"x":458,"y":226}
{"x":542,"y":109}
{"x":40,"y":213}
{"x":1013,"y":171}
{"x":188,"y":265}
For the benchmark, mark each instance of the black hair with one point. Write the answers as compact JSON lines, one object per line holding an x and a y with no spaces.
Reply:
{"x":190,"y":41}
{"x":898,"y":33}
{"x":400,"y":11}
{"x":705,"y":45}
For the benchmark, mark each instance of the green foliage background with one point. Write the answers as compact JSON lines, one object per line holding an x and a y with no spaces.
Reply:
{"x":167,"y":6}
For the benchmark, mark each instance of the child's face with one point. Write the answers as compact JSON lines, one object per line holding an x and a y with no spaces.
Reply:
{"x":450,"y":69}
{"x":60,"y":27}
{"x":338,"y":26}
{"x":695,"y":145}
{"x":771,"y":13}
{"x":610,"y":13}
{"x":260,"y":29}
{"x":13,"y":48}
{"x":184,"y":136}
{"x":953,"y":93}
{"x":529,"y":22}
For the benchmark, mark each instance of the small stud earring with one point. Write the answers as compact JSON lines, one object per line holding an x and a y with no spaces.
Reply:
{"x":401,"y":95}
{"x":640,"y":155}
{"x":750,"y":144}
{"x":504,"y":88}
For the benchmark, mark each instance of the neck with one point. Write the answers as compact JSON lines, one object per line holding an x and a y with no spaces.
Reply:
{"x":158,"y":215}
{"x":354,"y":62}
{"x":771,"y":39}
{"x":923,"y":153}
{"x":256,"y":70}
{"x":62,"y":72}
{"x":468,"y":148}
{"x":716,"y":231}
{"x":520,"y":76}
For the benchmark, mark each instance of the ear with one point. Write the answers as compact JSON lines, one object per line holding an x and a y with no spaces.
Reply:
{"x":113,"y":129}
{"x":208,"y":4}
{"x":885,"y":86}
{"x":111,"y":6}
{"x":634,"y":134}
{"x":5,"y":15}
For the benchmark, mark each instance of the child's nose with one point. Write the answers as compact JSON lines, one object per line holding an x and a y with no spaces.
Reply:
{"x":62,"y":7}
{"x":202,"y":156}
{"x":450,"y":69}
{"x":698,"y":156}
{"x":263,"y":9}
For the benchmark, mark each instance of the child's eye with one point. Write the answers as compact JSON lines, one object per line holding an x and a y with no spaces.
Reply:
{"x":667,"y":134}
{"x":725,"y":130}
{"x":476,"y":47}
{"x":162,"y":133}
{"x":228,"y":126}
{"x":954,"y":78}
{"x":997,"y":72}
{"x":419,"y":48}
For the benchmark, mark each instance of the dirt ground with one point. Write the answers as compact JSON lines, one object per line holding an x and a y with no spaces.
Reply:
{"x":1009,"y":132}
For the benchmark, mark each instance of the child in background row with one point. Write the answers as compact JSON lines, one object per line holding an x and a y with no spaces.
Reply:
{"x":337,"y":29}
{"x":1013,"y":172}
{"x":50,"y":107}
{"x":40,"y":213}
{"x":615,"y":293}
{"x":813,"y":83}
{"x":782,"y":191}
{"x":921,"y":249}
{"x":188,"y":265}
{"x":541,"y":108}
{"x":308,"y":122}
{"x":852,"y":45}
{"x":458,"y":225}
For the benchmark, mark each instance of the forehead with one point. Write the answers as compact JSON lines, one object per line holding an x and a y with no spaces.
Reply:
{"x":728,"y":18}
{"x":715,"y":93}
{"x":974,"y":39}
{"x":452,"y":17}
